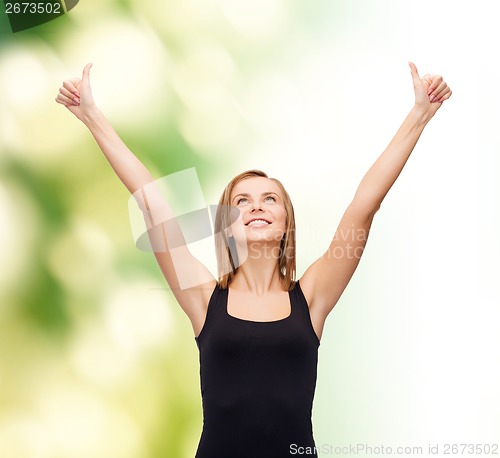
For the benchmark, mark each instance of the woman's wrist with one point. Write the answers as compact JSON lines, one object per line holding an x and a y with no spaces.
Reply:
{"x":90,"y":115}
{"x":421,"y":115}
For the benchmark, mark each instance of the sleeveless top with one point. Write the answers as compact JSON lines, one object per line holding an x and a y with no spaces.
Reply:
{"x":257,"y":382}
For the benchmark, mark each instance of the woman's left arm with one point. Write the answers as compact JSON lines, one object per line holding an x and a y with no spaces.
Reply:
{"x":325,"y":280}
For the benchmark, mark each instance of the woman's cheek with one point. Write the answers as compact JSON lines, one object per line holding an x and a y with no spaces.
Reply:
{"x":237,"y":229}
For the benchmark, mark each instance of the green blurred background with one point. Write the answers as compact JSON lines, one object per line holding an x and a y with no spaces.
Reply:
{"x":96,"y":358}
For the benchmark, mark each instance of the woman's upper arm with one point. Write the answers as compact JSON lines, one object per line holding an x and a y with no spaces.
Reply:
{"x":191,"y":282}
{"x":326,"y":279}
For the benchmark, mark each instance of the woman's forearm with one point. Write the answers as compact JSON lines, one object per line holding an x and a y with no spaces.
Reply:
{"x":130,"y":170}
{"x":383,"y":173}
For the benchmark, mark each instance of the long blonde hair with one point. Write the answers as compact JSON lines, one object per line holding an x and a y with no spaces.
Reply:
{"x":225,"y":247}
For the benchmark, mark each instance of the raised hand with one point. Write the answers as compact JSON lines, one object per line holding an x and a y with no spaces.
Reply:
{"x":430,"y":91}
{"x":76,"y":94}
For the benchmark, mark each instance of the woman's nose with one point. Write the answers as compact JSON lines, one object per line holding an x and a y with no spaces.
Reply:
{"x":257,"y":206}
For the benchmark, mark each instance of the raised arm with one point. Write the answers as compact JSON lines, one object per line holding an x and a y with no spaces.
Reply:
{"x":326,"y":279}
{"x":76,"y":96}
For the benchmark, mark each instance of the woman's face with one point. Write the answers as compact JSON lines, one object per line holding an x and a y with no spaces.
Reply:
{"x":262,"y":215}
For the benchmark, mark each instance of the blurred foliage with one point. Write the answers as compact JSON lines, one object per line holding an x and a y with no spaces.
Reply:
{"x":97,"y":359}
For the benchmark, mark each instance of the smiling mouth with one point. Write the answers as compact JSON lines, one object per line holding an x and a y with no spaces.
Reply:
{"x":257,"y":222}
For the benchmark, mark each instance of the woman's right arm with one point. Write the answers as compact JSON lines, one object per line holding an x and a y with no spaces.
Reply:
{"x":176,"y":263}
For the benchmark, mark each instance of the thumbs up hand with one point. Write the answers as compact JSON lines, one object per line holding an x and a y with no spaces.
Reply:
{"x":430,"y":91}
{"x":76,"y":94}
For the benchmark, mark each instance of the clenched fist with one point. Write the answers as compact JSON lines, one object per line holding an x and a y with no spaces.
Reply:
{"x":430,"y":91}
{"x":76,"y":95}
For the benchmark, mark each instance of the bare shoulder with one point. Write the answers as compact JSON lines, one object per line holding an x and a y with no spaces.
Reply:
{"x":194,"y":302}
{"x":318,"y":317}
{"x":308,"y":287}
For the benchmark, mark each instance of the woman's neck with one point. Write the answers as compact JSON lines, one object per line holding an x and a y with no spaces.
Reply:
{"x":259,"y":273}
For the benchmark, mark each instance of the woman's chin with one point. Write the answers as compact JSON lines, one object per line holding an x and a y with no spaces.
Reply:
{"x":263,"y":236}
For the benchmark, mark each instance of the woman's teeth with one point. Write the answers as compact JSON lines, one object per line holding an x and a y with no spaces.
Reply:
{"x":258,"y":221}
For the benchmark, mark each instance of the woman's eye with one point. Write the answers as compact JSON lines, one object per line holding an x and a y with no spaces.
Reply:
{"x":269,"y":199}
{"x":242,"y":200}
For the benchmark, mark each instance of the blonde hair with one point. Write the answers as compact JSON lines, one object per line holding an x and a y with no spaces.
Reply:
{"x":225,"y":247}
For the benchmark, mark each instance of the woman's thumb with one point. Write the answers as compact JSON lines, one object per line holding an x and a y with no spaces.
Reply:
{"x":86,"y":71}
{"x":414,"y":73}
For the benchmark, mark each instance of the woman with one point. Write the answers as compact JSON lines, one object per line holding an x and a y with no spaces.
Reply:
{"x":257,"y":329}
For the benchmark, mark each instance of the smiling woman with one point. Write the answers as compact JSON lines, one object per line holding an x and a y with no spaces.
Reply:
{"x":257,"y":197}
{"x":257,"y":328}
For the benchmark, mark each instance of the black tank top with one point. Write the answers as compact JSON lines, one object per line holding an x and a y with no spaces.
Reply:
{"x":257,"y":382}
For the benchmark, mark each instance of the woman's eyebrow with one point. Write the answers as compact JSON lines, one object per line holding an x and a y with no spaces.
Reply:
{"x":265,"y":193}
{"x":243,"y":194}
{"x":271,"y":193}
